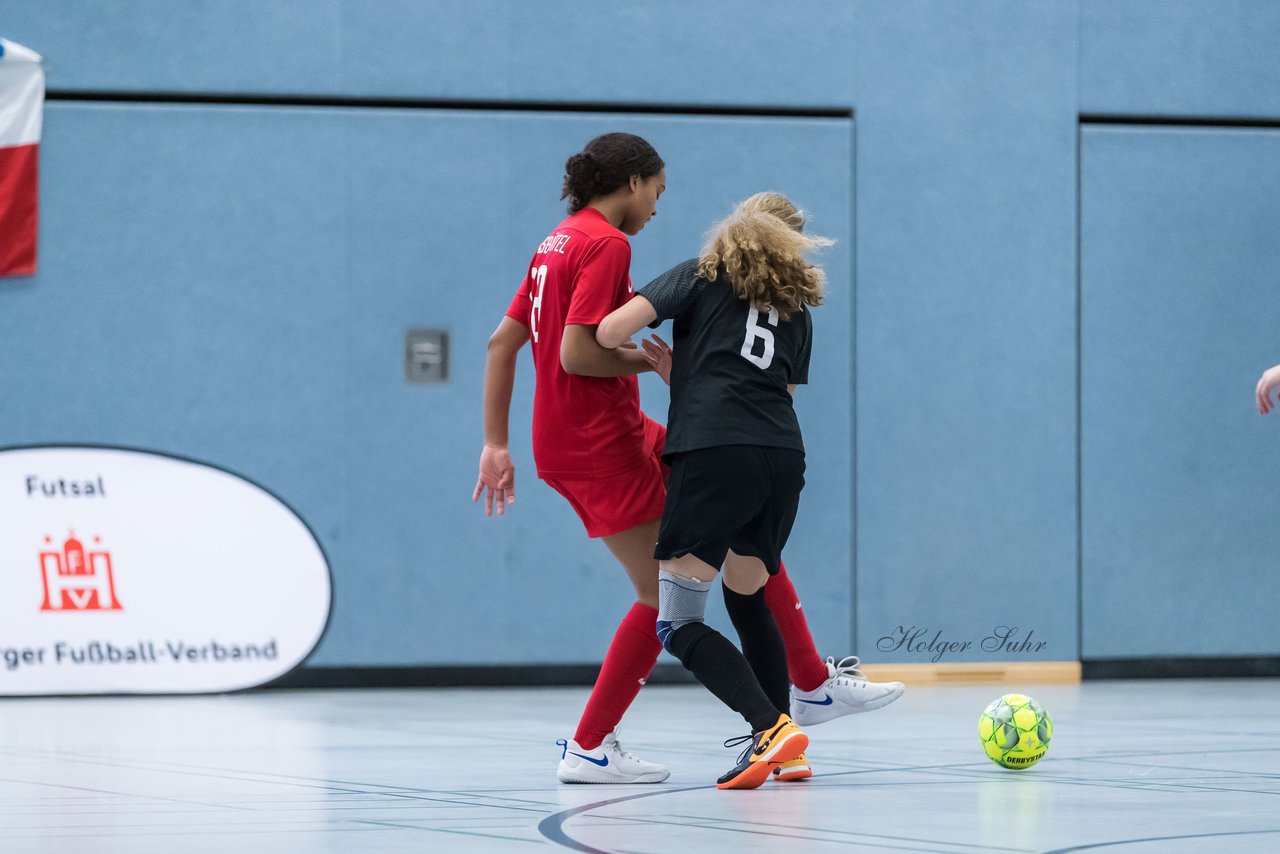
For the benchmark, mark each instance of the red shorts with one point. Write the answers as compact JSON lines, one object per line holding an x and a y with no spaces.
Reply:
{"x":611,"y":505}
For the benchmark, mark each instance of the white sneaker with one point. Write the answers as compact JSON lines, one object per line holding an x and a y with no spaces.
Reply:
{"x":608,"y":763}
{"x":846,"y":692}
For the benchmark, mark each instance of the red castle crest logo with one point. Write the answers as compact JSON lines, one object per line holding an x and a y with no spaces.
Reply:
{"x":78,"y":580}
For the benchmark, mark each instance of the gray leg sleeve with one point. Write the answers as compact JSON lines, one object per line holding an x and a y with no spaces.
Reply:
{"x":681,"y":601}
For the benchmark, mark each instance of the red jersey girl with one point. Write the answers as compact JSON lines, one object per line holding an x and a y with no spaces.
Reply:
{"x":591,"y":442}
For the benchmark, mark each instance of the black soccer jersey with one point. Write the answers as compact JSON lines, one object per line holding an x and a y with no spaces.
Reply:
{"x":731,"y":364}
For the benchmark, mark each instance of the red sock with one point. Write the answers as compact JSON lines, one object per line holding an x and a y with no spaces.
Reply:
{"x":806,"y":668}
{"x":627,"y":665}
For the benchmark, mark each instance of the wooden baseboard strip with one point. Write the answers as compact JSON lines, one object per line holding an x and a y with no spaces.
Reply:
{"x":972,"y":672}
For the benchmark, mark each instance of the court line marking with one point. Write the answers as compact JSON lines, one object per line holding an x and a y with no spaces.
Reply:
{"x":552,"y":827}
{"x":1158,"y":839}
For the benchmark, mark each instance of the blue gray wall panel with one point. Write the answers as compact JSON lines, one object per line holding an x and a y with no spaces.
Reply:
{"x":661,"y":51}
{"x":1198,"y":58}
{"x":1179,"y":270}
{"x":965,"y":327}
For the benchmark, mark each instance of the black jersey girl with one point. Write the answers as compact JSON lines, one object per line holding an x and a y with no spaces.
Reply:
{"x":743,"y":335}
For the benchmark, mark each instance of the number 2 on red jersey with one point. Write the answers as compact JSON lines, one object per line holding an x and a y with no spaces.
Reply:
{"x":539,"y":277}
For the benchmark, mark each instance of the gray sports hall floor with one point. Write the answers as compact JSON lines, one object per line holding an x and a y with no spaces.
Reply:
{"x":1150,"y":766}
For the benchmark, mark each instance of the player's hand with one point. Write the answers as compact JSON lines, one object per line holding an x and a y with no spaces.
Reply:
{"x":497,"y":479}
{"x":658,"y":354}
{"x":1270,"y":382}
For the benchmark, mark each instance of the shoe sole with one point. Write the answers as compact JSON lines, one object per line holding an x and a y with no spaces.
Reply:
{"x":651,"y":777}
{"x":793,"y":776}
{"x":757,"y":772}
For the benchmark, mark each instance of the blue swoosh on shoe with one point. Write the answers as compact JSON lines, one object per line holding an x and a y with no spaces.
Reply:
{"x":601,"y":762}
{"x":828,"y":701}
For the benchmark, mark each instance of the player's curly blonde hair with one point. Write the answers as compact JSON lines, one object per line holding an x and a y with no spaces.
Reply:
{"x":760,"y":247}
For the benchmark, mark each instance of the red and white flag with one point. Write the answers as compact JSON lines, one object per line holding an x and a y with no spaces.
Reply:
{"x":21,"y":111}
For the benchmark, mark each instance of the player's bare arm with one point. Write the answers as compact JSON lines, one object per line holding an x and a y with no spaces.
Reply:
{"x":497,"y":479}
{"x":618,"y":327}
{"x":580,"y":354}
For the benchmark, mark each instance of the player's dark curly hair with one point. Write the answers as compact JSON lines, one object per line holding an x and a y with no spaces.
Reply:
{"x":605,"y":164}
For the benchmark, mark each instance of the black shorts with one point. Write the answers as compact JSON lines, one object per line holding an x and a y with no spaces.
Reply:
{"x":740,"y":497}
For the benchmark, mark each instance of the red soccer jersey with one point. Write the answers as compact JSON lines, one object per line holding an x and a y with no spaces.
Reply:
{"x":583,"y":427}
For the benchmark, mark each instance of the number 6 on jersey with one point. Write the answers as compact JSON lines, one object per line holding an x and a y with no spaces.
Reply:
{"x":756,"y":331}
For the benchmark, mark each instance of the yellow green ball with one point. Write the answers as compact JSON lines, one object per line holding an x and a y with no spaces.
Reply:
{"x":1015,"y":731}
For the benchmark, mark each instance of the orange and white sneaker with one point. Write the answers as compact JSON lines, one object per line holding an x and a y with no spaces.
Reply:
{"x":765,"y":751}
{"x":796,"y":769}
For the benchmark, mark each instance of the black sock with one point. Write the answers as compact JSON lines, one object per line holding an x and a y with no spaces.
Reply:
{"x":761,"y":643}
{"x":722,"y":669}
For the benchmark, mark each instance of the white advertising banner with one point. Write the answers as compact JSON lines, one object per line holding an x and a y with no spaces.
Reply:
{"x":123,"y":571}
